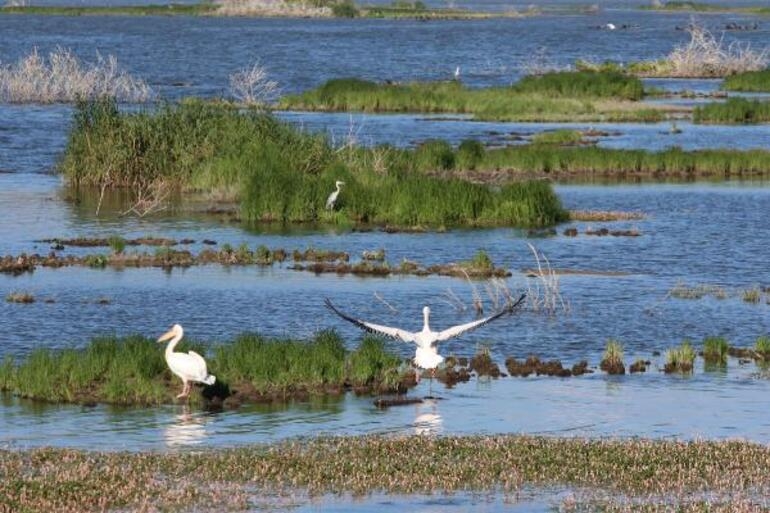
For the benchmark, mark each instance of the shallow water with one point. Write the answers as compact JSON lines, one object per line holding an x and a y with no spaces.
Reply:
{"x":694,"y":233}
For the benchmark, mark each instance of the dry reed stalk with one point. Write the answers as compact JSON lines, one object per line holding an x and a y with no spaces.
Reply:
{"x":271,"y":8}
{"x":253,"y":86}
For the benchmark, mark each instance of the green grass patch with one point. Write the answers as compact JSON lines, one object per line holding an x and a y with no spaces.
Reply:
{"x":715,"y":350}
{"x":281,"y":174}
{"x":133,"y":371}
{"x":553,"y":96}
{"x":688,"y":6}
{"x":558,"y":137}
{"x":733,"y":111}
{"x":750,"y":81}
{"x":762,"y":346}
{"x":680,"y":359}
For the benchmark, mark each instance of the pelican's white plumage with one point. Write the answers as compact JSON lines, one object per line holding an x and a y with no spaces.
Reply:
{"x":332,"y":199}
{"x":190,"y":366}
{"x":426,"y":355}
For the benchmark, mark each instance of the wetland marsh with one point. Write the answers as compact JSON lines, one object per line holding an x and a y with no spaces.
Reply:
{"x":692,"y":267}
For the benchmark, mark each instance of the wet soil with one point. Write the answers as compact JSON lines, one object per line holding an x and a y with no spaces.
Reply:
{"x":533,"y":365}
{"x":639,"y":366}
{"x":612,"y":367}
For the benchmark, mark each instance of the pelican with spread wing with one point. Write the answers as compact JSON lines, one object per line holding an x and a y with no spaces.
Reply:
{"x":426,"y":356}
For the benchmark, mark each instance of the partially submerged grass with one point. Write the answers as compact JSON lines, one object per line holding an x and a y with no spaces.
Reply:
{"x":752,"y":295}
{"x":645,"y":472}
{"x":715,"y":350}
{"x":62,"y":77}
{"x":684,"y":291}
{"x":282,"y":174}
{"x":567,"y":96}
{"x":558,"y":137}
{"x":612,"y":359}
{"x":733,"y":111}
{"x":133,"y":371}
{"x":762,"y":346}
{"x":689,"y":6}
{"x":749,"y":81}
{"x":19,"y":297}
{"x":680,"y":359}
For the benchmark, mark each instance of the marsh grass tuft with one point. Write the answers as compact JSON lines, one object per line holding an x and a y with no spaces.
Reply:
{"x":752,"y":295}
{"x":680,"y":359}
{"x":750,"y":81}
{"x":558,"y":137}
{"x":715,"y":350}
{"x":612,"y":360}
{"x":733,"y":111}
{"x":762,"y":347}
{"x":20,"y":297}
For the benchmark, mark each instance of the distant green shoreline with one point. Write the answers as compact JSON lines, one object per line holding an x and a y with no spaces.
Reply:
{"x":687,"y":6}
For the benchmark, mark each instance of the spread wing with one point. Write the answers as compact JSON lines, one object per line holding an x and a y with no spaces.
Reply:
{"x":458,"y":330}
{"x":396,"y":333}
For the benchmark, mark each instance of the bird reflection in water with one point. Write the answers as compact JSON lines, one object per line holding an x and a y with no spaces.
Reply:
{"x":186,"y":429}
{"x":428,"y":420}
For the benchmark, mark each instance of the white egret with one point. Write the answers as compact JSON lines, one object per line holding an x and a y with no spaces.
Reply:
{"x":332,"y":199}
{"x":426,"y":355}
{"x":190,"y":366}
{"x":457,"y":73}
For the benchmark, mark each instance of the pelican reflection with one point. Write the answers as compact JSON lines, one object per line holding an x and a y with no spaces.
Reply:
{"x":186,"y":429}
{"x":428,"y":419}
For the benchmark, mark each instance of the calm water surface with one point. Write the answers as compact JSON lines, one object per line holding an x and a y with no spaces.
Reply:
{"x":695,"y":234}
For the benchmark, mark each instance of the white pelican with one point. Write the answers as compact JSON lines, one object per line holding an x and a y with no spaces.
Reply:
{"x":426,"y":355}
{"x":332,"y":199}
{"x":189,"y":366}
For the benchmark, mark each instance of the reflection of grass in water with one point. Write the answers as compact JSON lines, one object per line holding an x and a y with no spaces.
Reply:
{"x":132,"y":370}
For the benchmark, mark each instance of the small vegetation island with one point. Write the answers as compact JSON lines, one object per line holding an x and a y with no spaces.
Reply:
{"x":288,"y":8}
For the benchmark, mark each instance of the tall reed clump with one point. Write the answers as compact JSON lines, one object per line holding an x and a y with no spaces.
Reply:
{"x":680,"y":359}
{"x":715,"y":350}
{"x":762,"y":347}
{"x":733,"y":111}
{"x":281,"y":174}
{"x":749,"y":81}
{"x":63,"y":78}
{"x":612,"y":360}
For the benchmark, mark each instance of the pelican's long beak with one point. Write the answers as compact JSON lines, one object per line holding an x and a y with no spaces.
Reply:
{"x":166,"y":336}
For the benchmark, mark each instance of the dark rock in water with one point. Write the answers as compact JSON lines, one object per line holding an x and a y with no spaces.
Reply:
{"x":187,"y":241}
{"x":580,"y":368}
{"x":396,"y":401}
{"x":656,"y":353}
{"x":571,"y":232}
{"x":209,"y":242}
{"x":639,"y":366}
{"x":484,"y":366}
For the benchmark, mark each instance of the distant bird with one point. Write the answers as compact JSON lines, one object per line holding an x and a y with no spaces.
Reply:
{"x":332,"y":199}
{"x":426,"y":355}
{"x":457,"y":73}
{"x":610,"y":26}
{"x":190,"y":366}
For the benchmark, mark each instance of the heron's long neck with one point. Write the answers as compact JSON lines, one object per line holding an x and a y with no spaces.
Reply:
{"x":426,"y":326}
{"x":338,"y":188}
{"x":172,"y":344}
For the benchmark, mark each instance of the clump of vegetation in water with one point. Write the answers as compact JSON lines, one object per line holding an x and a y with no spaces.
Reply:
{"x":680,"y":359}
{"x":733,"y":111}
{"x":558,"y":137}
{"x":281,"y":174}
{"x":752,"y":295}
{"x":762,"y":347}
{"x":133,"y":371}
{"x":715,"y":350}
{"x":612,"y":360}
{"x":567,"y":96}
{"x":750,"y":81}
{"x":20,"y":297}
{"x":62,"y":77}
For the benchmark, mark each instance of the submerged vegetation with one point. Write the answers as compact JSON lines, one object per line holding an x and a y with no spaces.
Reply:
{"x":132,"y":370}
{"x":62,"y":77}
{"x":680,"y":359}
{"x":612,"y":360}
{"x":571,"y":96}
{"x":715,"y":350}
{"x":278,"y":173}
{"x":715,"y":476}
